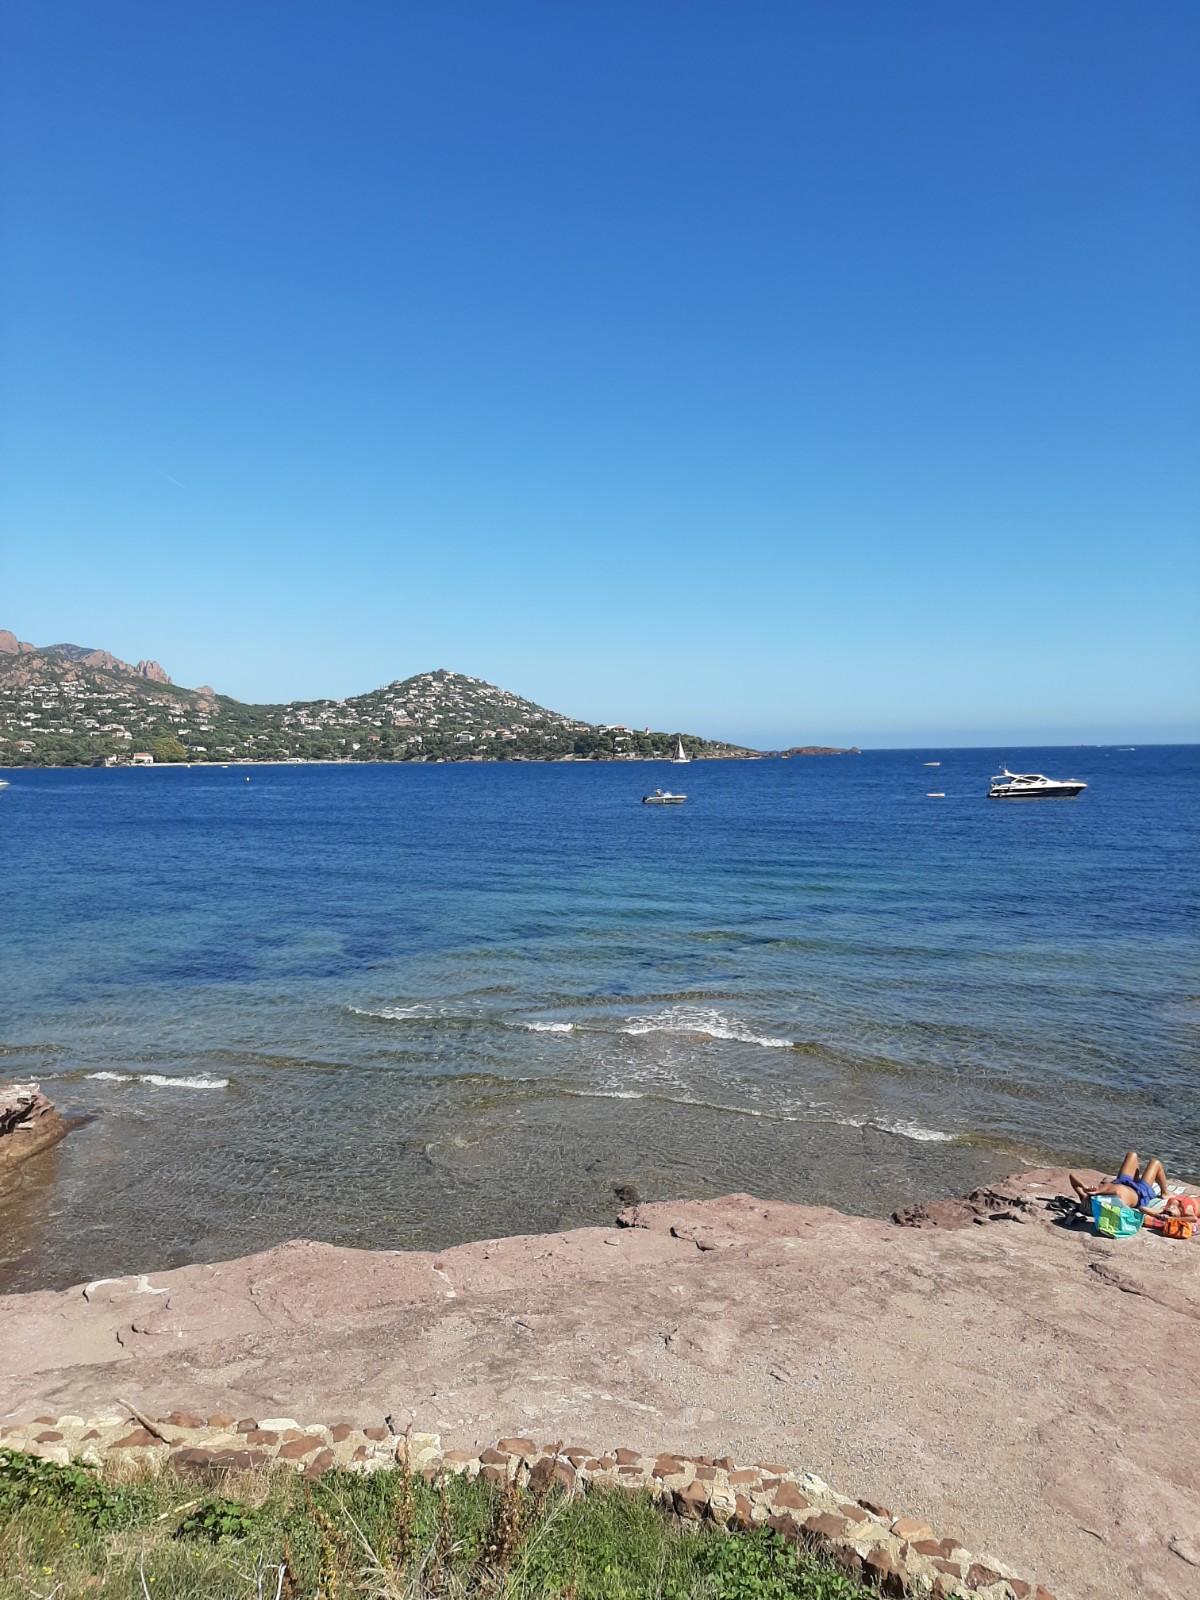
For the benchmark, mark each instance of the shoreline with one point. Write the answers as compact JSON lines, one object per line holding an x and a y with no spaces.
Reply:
{"x":972,"y":1368}
{"x":466,"y":761}
{"x":67,"y":1225}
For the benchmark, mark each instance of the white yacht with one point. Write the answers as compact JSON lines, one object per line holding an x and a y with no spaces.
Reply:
{"x":681,"y":754}
{"x":1033,"y":786}
{"x":663,"y":797}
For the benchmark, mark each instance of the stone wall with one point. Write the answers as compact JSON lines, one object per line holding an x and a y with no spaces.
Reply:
{"x":902,"y":1555}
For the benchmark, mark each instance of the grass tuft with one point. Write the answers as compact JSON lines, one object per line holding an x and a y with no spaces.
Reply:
{"x":68,"y":1532}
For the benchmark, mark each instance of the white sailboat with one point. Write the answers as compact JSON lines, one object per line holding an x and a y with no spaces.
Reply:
{"x":681,"y":754}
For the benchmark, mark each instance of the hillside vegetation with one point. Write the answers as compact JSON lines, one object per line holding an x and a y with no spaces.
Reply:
{"x":65,"y":705}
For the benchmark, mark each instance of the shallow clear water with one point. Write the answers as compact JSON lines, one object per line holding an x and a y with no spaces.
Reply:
{"x":407,"y":1005}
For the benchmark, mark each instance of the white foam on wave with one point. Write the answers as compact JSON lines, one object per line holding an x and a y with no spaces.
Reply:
{"x":160,"y":1080}
{"x":902,"y":1129}
{"x":549,"y":1027}
{"x":914,"y":1130}
{"x":393,"y":1013}
{"x":608,"y":1094}
{"x":702,"y":1019}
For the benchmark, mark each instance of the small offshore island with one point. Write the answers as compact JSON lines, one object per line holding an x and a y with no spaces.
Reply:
{"x":66,"y":705}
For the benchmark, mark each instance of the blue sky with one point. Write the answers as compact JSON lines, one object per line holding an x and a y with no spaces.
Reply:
{"x":782,"y":371}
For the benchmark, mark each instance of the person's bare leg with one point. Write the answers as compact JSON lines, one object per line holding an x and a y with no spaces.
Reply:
{"x":1129,"y":1167}
{"x":1154,"y":1174}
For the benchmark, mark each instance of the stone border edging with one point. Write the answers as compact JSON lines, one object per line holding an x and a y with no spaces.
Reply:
{"x":901,"y":1555}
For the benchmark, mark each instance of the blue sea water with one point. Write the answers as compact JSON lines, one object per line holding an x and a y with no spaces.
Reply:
{"x":400,"y":1006}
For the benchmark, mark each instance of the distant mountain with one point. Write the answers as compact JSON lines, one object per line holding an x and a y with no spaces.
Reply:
{"x":11,"y":645}
{"x":69,"y":705}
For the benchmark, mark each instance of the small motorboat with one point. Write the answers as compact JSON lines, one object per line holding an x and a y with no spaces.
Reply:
{"x":663,"y":797}
{"x":932,"y":763}
{"x":1033,"y":786}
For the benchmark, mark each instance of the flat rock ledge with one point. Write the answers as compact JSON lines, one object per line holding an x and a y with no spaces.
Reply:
{"x":900,"y":1555}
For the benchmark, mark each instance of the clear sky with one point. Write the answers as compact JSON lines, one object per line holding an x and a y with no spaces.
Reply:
{"x":781,"y":371}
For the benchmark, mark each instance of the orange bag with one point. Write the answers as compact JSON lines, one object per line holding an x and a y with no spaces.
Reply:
{"x":1172,"y":1227}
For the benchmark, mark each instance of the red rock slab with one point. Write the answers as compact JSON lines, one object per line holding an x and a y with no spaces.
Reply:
{"x":788,"y":1498}
{"x":976,"y":1378}
{"x":827,"y":1526}
{"x":297,"y":1449}
{"x":691,"y":1500}
{"x":912,"y":1529}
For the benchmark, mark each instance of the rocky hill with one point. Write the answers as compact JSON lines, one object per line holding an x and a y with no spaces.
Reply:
{"x":70,"y":705}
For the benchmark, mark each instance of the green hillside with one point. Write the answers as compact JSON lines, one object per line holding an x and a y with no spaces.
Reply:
{"x":65,"y":705}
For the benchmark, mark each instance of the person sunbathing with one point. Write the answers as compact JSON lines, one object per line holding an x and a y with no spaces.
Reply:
{"x":1140,"y":1191}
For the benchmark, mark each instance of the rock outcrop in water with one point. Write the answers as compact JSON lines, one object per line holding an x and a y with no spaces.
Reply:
{"x":1021,"y":1385}
{"x":29,"y":1123}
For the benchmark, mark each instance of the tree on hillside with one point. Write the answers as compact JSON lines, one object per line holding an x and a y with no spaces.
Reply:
{"x":167,"y":748}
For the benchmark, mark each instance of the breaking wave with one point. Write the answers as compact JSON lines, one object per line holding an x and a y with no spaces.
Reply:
{"x":160,"y":1080}
{"x":901,"y":1128}
{"x":703,"y":1019}
{"x":548,"y":1027}
{"x":394,"y":1013}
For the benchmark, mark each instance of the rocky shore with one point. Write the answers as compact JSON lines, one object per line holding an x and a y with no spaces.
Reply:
{"x":1023,"y":1388}
{"x":29,"y":1124}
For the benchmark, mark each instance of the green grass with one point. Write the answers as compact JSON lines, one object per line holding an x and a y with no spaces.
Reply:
{"x":68,"y":1531}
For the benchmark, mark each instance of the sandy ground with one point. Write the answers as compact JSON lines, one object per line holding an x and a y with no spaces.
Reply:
{"x":1026,"y":1387}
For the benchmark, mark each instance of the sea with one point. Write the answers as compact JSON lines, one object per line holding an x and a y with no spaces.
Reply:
{"x":403,"y":1006}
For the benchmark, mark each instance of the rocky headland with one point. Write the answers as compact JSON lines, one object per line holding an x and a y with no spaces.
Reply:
{"x":1021,"y":1386}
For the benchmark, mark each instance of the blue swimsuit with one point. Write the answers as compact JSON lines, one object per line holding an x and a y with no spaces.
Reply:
{"x":1144,"y":1191}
